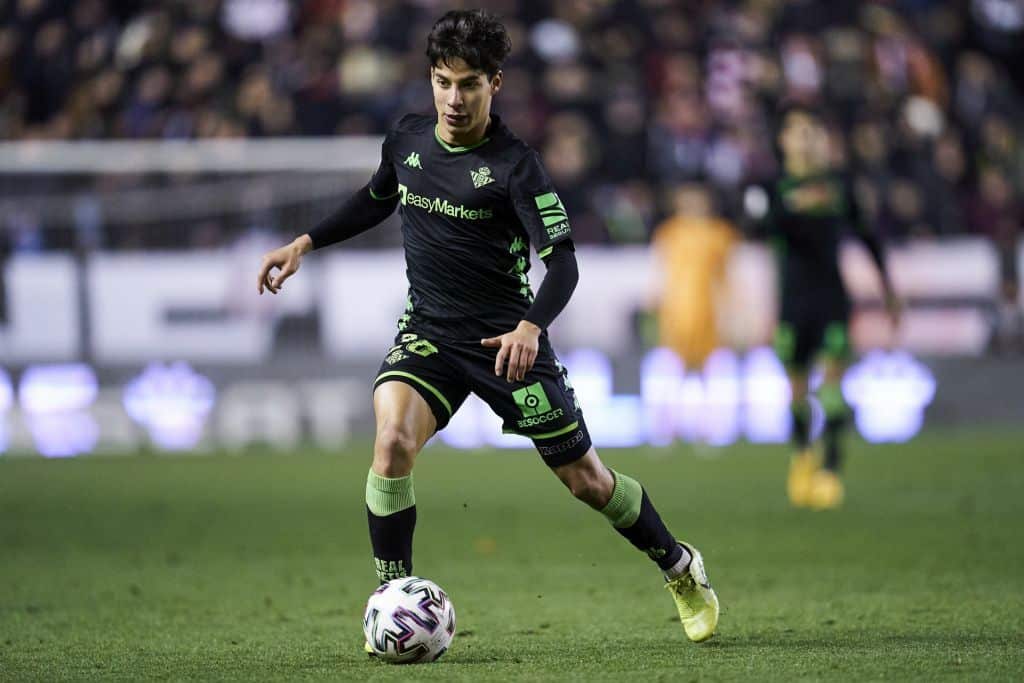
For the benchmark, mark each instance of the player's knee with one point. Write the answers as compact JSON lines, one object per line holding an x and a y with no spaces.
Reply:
{"x":592,"y":485}
{"x":394,"y":451}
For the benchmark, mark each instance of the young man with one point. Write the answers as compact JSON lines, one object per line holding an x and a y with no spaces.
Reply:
{"x":809,"y":206}
{"x":473,"y":199}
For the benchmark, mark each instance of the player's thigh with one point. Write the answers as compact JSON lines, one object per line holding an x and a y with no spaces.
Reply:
{"x":404,"y":421}
{"x":797,"y":339}
{"x":542,"y":407}
{"x":417,"y":390}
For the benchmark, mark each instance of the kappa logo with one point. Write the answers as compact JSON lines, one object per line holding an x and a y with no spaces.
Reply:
{"x":481,"y":177}
{"x":413,"y":160}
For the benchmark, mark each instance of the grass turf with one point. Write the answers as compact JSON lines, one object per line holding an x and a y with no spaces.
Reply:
{"x":257,"y":567}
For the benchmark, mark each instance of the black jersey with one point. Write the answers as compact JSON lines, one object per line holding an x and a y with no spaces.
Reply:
{"x":807,"y":219}
{"x":469,"y":217}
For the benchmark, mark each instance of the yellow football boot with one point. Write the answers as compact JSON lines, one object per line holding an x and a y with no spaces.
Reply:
{"x":826,"y":490}
{"x":802,"y":468}
{"x":695,"y":599}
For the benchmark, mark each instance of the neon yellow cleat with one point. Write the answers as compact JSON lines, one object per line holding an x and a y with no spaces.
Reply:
{"x":368,"y":650}
{"x":802,"y":468}
{"x":826,"y":490}
{"x":695,"y":599}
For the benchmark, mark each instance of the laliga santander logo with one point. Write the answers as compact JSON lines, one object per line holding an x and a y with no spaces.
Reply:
{"x":172,"y":402}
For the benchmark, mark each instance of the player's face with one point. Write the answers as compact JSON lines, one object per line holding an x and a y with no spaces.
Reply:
{"x":462,"y":97}
{"x":804,"y":137}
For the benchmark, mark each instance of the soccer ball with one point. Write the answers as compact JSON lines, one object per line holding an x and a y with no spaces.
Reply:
{"x":408,"y":621}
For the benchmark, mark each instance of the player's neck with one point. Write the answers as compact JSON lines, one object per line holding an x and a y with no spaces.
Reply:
{"x":466,"y":139}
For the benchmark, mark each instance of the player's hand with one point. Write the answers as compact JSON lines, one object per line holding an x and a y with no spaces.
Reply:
{"x":518,"y":347}
{"x":286,"y":259}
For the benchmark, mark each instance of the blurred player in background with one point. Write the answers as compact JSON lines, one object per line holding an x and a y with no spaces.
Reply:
{"x":474,"y":198}
{"x":809,"y":207}
{"x":693,"y":247}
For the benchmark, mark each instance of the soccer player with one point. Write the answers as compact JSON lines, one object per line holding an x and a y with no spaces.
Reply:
{"x":809,"y":206}
{"x":474,"y":199}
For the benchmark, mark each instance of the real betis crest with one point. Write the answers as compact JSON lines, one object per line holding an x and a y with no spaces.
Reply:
{"x":481,"y":177}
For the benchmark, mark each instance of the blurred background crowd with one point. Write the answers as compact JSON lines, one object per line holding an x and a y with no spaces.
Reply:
{"x":629,"y":101}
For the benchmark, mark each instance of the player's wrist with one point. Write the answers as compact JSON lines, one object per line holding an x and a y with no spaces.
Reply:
{"x":532,"y":328}
{"x":303,"y":244}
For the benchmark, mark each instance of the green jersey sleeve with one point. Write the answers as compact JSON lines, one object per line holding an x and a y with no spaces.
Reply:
{"x":537,"y":204}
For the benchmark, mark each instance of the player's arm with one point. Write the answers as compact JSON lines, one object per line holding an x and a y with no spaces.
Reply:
{"x":557,"y":287}
{"x":874,"y":246}
{"x":368,"y":207}
{"x":542,"y":215}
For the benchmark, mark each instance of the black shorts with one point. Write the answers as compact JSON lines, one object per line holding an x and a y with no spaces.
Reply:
{"x":803,"y":335}
{"x":542,"y":407}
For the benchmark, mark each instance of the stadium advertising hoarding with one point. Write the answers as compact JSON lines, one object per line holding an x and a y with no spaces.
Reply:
{"x":139,"y":313}
{"x":60,"y":410}
{"x":200,"y":305}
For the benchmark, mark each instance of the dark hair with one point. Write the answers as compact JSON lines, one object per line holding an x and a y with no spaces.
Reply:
{"x":475,"y":36}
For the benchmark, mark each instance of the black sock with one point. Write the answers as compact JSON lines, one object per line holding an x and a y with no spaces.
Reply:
{"x":391,"y":538}
{"x":833,"y":435}
{"x":837,"y":413}
{"x":801,"y":411}
{"x":391,"y":513}
{"x":650,"y":535}
{"x":633,"y":515}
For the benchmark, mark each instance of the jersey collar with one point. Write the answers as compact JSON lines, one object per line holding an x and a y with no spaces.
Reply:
{"x":452,"y":149}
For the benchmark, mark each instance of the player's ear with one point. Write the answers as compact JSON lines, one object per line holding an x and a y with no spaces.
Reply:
{"x":496,"y":83}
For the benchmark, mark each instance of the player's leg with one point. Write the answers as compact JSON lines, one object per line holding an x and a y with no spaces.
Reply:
{"x":625,"y":503}
{"x":414,"y":396}
{"x":628,"y":508}
{"x":404,"y":423}
{"x":827,"y":487}
{"x":794,"y":347}
{"x":544,"y":408}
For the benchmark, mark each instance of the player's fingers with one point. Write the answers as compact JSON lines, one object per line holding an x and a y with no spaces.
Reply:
{"x":261,"y":279}
{"x":524,"y":363}
{"x":282,"y":275}
{"x":499,"y":360}
{"x":531,"y":358}
{"x":514,"y":363}
{"x":491,"y":341}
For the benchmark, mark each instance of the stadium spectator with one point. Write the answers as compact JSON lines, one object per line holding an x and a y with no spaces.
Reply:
{"x":625,"y":99}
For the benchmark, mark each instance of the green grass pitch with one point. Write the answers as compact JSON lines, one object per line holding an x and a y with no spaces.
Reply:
{"x":257,"y":567}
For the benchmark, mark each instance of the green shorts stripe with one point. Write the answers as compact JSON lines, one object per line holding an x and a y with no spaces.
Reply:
{"x":426,"y":385}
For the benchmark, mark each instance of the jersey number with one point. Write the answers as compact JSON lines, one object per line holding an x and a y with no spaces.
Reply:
{"x":421,"y":347}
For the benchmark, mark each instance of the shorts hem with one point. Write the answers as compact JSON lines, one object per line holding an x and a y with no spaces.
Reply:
{"x":439,"y":405}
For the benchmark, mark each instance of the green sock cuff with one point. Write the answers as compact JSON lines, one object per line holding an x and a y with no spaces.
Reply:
{"x":385,"y":496}
{"x":832,"y":401}
{"x":624,"y":507}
